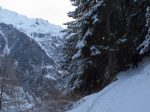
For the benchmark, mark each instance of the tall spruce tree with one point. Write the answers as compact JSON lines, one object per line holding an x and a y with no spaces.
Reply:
{"x":98,"y":25}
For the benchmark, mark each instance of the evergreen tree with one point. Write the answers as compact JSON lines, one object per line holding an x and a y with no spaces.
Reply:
{"x":99,"y":26}
{"x":145,"y":46}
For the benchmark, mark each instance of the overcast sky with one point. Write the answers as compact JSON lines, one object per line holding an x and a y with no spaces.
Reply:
{"x":52,"y":10}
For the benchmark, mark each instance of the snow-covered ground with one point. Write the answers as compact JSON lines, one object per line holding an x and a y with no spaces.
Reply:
{"x":130,"y":93}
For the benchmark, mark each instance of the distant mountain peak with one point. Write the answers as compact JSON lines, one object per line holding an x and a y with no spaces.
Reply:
{"x":29,"y":25}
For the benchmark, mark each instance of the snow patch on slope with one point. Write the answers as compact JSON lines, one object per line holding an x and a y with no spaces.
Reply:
{"x":130,"y":93}
{"x":6,"y":49}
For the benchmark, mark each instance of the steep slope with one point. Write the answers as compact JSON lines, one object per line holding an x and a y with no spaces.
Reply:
{"x":130,"y":93}
{"x":35,"y":72}
{"x":33,"y":45}
{"x":32,"y":62}
{"x":47,"y":35}
{"x":15,"y":98}
{"x":38,"y":34}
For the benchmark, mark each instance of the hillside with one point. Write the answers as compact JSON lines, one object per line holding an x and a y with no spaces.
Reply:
{"x":28,"y":51}
{"x":47,"y":35}
{"x":130,"y":93}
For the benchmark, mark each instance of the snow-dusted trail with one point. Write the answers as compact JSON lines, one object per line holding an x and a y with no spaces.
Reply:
{"x":130,"y":93}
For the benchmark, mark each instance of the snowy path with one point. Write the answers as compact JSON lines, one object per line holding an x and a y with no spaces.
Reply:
{"x":131,"y":93}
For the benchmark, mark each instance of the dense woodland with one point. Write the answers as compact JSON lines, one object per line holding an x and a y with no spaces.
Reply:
{"x":102,"y":39}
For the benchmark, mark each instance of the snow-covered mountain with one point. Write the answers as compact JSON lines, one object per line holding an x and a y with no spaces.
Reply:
{"x":33,"y":45}
{"x":130,"y":93}
{"x":28,"y":25}
{"x":47,"y":35}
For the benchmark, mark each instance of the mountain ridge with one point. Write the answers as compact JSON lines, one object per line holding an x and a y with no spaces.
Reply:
{"x":19,"y":20}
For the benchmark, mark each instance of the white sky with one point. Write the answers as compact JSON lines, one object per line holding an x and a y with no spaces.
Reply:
{"x":55,"y":11}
